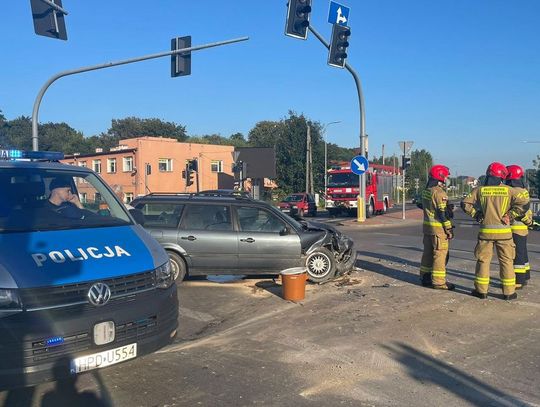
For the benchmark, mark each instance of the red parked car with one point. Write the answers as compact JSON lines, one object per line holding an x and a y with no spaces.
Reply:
{"x":299,"y":204}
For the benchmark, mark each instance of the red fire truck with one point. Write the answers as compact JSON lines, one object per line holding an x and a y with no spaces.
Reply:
{"x":343,"y":189}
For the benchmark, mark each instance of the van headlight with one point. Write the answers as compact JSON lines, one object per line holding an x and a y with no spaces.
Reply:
{"x":164,"y":276}
{"x":9,"y":300}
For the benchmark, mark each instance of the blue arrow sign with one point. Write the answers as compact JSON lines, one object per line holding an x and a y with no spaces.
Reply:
{"x":338,"y":14}
{"x":359,"y":164}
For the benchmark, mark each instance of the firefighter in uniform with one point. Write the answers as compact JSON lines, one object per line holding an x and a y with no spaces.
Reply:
{"x":520,"y":226}
{"x":494,"y":205}
{"x":437,"y":229}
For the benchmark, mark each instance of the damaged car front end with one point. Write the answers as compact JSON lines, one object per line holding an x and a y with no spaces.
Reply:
{"x":326,"y":251}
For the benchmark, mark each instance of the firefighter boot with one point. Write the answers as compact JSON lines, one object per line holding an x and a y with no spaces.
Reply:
{"x":446,"y":286}
{"x":426,"y":279}
{"x":476,"y":294}
{"x":510,"y":297}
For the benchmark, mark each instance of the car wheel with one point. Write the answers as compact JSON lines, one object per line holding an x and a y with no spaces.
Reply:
{"x":321,"y":266}
{"x":178,"y":266}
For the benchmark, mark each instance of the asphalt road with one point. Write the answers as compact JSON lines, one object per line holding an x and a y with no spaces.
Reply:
{"x":373,"y":338}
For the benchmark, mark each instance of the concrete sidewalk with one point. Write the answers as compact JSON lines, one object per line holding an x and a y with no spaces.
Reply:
{"x":394,"y":218}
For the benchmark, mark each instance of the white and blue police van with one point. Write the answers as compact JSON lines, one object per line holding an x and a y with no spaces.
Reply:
{"x":82,"y":285}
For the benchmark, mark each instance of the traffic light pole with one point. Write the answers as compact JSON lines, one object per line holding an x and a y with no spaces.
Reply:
{"x":39,"y":97}
{"x":362,"y":196}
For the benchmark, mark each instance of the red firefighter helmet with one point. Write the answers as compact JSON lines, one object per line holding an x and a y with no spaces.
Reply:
{"x":497,"y":170}
{"x":439,"y":172}
{"x":514,"y":172}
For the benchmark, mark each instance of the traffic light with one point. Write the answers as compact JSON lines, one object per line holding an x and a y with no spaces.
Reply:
{"x":193,"y":165}
{"x":189,"y":179}
{"x":297,"y":23}
{"x":337,"y":53}
{"x":406,"y":162}
{"x":181,"y":63}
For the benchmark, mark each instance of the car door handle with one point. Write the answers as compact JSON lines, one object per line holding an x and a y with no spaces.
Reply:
{"x":248,"y":240}
{"x":190,"y":238}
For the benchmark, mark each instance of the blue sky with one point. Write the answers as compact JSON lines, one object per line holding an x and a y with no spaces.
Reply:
{"x":460,"y":79}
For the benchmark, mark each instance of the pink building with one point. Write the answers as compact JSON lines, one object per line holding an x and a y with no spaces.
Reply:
{"x":123,"y":168}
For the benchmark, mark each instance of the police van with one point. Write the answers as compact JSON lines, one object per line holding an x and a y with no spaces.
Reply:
{"x":82,"y":285}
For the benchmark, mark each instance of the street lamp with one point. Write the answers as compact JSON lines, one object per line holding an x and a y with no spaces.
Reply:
{"x":326,"y":157}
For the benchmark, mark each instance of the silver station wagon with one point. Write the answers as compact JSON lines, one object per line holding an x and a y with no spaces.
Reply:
{"x":212,"y":234}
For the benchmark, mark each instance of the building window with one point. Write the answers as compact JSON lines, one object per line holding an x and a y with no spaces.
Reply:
{"x":128,"y":197}
{"x":165,"y":164}
{"x":217,"y":166}
{"x":82,"y":164}
{"x":96,"y":166}
{"x":97,"y":197}
{"x":128,"y":164}
{"x":111,"y":165}
{"x":83,"y":197}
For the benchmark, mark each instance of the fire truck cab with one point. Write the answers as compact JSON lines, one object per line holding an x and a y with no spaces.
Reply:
{"x":343,"y":188}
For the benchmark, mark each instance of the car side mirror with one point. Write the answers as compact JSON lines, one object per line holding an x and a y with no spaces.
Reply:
{"x":137,"y":215}
{"x":284,"y":232}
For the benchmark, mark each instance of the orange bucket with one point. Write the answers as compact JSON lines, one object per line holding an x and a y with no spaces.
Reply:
{"x":293,"y":281}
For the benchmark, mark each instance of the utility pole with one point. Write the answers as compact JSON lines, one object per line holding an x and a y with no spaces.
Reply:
{"x":308,"y":169}
{"x":382,"y":154}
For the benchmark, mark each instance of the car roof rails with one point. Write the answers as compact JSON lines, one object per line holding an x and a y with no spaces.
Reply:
{"x":225,"y":193}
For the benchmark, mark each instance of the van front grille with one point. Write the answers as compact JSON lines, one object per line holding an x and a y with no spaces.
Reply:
{"x":73,"y":294}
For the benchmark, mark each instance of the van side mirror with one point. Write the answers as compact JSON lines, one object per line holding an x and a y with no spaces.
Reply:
{"x":284,"y":232}
{"x":137,"y":215}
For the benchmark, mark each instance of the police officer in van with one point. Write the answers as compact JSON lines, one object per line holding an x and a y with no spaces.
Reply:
{"x":63,"y":201}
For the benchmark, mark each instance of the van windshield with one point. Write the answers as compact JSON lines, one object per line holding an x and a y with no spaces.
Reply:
{"x":37,"y":199}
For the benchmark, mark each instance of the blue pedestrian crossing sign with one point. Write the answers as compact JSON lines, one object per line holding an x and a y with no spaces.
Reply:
{"x":359,"y":164}
{"x":338,"y":14}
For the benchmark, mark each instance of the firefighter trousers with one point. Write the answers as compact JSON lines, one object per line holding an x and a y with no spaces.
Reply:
{"x":521,"y":261}
{"x":505,"y":252}
{"x":434,"y":258}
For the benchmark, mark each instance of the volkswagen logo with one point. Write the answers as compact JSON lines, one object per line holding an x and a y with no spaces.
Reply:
{"x":99,"y":294}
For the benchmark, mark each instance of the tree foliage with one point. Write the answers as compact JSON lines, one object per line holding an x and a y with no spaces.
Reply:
{"x":421,"y":162}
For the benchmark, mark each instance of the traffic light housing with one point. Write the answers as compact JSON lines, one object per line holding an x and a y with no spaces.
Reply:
{"x":48,"y":21}
{"x":298,"y":13}
{"x":189,"y":179}
{"x":337,"y":53}
{"x":181,"y":63}
{"x":406,"y":162}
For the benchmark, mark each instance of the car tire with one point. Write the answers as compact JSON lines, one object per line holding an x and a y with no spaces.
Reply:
{"x":321,"y":266}
{"x":178,"y":265}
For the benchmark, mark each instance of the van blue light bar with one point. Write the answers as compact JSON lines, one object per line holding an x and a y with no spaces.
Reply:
{"x":31,"y":155}
{"x":54,"y":341}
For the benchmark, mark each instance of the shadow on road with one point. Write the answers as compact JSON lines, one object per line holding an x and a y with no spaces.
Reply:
{"x":427,"y":369}
{"x":397,"y":274}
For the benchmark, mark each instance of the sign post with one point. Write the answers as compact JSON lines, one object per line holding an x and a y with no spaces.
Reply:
{"x":359,"y":165}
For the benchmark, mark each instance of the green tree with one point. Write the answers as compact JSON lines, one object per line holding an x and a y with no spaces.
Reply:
{"x":61,"y":137}
{"x":421,"y":162}
{"x":17,"y":133}
{"x":131,"y":127}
